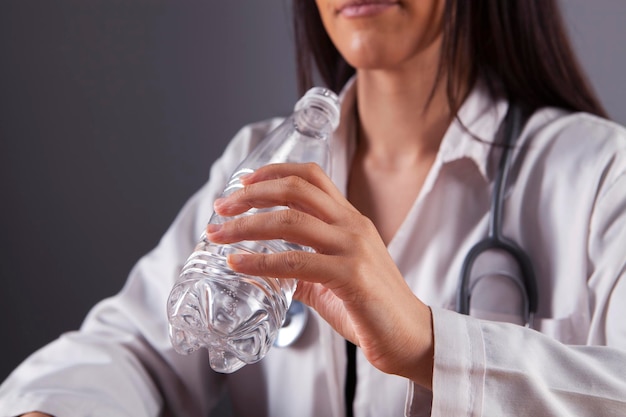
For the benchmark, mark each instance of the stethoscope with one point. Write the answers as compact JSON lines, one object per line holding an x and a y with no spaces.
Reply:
{"x":525,"y":281}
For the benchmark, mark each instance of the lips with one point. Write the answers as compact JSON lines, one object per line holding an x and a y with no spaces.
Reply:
{"x":363,"y":8}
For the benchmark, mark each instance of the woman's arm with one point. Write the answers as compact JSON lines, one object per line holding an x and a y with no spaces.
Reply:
{"x":350,"y":279}
{"x":121,"y":361}
{"x":479,"y":367}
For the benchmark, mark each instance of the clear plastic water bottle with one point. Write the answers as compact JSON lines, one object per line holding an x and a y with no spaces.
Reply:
{"x":236,"y":316}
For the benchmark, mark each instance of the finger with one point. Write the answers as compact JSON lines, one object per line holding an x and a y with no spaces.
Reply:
{"x":290,"y":225}
{"x":328,"y":305}
{"x":307,"y":266}
{"x":292,"y":191}
{"x":310,"y":172}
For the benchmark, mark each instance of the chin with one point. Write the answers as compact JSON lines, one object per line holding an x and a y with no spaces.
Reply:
{"x":373,"y":61}
{"x":362,"y":54}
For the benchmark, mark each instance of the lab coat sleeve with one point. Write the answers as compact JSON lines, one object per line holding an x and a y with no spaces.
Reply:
{"x":121,"y":363}
{"x":484,"y":368}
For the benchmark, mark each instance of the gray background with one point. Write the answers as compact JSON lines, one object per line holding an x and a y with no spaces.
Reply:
{"x":111,"y":113}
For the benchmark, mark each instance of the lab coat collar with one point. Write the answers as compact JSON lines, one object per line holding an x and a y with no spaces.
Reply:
{"x":470,"y":135}
{"x":474,"y":130}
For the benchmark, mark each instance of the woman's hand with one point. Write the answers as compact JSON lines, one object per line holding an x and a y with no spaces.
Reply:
{"x":350,"y":280}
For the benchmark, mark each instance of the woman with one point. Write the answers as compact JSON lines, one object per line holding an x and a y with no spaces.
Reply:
{"x":425,"y":88}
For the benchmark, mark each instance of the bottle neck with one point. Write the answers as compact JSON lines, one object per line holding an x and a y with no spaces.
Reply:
{"x":314,"y":121}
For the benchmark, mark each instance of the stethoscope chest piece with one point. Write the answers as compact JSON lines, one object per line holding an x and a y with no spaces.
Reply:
{"x":497,"y":287}
{"x":293,"y":326}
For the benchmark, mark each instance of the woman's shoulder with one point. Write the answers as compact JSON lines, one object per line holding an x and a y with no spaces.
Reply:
{"x":579,"y":130}
{"x":577,"y":137}
{"x":579,"y":148}
{"x":248,"y":136}
{"x":241,"y":144}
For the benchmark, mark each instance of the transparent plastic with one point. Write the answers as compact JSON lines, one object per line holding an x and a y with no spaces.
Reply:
{"x":237,"y":317}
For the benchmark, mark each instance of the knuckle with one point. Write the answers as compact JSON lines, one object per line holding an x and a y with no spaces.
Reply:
{"x":294,"y":260}
{"x":244,"y":193}
{"x":263,"y":263}
{"x":361,"y":234}
{"x":366,"y":222}
{"x":293,"y":182}
{"x":289,"y":217}
{"x":285,"y":264}
{"x":365,"y":225}
{"x":359,"y":226}
{"x":359,"y":244}
{"x":240,"y":225}
{"x":312,"y":168}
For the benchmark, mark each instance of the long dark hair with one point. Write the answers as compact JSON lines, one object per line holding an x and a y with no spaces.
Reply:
{"x":520,"y":49}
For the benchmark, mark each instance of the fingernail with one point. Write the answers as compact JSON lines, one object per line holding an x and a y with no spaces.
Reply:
{"x":219,"y":202}
{"x":235,"y":259}
{"x":245,"y":177}
{"x":213,"y":228}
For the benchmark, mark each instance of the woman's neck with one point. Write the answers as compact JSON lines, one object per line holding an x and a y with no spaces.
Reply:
{"x":401,"y":122}
{"x":401,"y":117}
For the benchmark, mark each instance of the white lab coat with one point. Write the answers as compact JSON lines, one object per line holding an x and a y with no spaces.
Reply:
{"x":566,"y":206}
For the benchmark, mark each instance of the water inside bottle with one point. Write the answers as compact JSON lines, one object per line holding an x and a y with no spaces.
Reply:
{"x":235,"y":316}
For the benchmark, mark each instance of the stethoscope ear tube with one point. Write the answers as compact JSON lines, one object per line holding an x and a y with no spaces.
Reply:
{"x":513,"y":125}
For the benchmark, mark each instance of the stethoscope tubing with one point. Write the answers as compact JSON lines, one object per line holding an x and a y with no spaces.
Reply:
{"x":513,"y":125}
